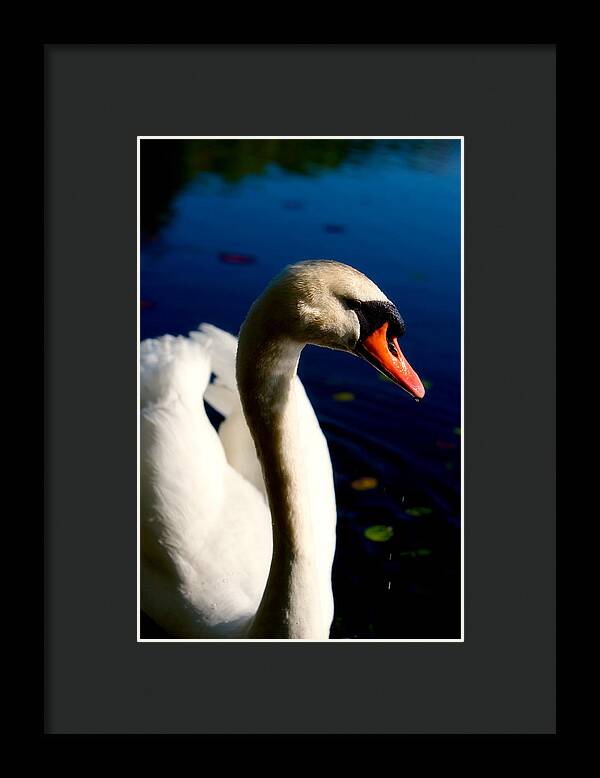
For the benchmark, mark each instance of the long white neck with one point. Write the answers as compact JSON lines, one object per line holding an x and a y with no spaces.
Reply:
{"x":266,"y":371}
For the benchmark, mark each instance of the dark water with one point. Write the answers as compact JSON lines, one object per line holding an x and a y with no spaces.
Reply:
{"x":220,"y":218}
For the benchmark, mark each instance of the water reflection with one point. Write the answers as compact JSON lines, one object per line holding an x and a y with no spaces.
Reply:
{"x":167,"y":165}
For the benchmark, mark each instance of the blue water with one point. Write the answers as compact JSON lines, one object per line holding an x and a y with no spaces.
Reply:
{"x":392,"y":212}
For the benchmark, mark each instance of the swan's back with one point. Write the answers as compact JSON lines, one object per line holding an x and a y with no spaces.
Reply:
{"x":205,"y":527}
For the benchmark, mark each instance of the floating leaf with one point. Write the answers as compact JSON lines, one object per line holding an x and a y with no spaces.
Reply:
{"x":415,"y":553}
{"x":384,"y":378}
{"x":232,"y":258}
{"x":362,"y":484}
{"x":343,"y":397}
{"x":427,"y":384}
{"x":418,"y":511}
{"x":379,"y":533}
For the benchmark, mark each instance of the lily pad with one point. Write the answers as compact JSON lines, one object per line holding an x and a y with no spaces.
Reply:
{"x":379,"y":533}
{"x":234,"y":258}
{"x":362,"y":484}
{"x":420,"y":510}
{"x":343,"y":397}
{"x":416,"y":552}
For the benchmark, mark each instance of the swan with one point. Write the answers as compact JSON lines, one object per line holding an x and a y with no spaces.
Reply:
{"x":238,"y":526}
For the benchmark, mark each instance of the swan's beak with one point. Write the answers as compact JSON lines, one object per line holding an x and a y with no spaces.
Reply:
{"x":385,"y":355}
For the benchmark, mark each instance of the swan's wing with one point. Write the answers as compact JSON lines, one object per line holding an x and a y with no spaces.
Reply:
{"x":205,"y":531}
{"x":222,"y":394}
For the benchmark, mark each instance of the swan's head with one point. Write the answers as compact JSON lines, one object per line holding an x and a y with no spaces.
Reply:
{"x":333,"y":305}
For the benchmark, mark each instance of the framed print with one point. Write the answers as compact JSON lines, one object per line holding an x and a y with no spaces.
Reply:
{"x":257,"y":259}
{"x":373,"y":503}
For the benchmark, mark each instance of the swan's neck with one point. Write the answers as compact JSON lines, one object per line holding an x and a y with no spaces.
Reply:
{"x":266,"y":374}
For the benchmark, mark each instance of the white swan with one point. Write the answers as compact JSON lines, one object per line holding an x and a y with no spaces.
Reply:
{"x":237,"y":528}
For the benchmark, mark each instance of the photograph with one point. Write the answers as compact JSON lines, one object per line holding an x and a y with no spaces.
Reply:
{"x":300,"y":389}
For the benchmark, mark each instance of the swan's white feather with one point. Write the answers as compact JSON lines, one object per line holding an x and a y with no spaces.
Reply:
{"x":206,"y":531}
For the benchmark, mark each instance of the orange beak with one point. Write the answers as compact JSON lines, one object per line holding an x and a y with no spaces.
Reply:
{"x":387,"y":357}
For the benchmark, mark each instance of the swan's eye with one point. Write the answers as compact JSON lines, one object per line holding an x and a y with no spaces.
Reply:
{"x":352,"y":304}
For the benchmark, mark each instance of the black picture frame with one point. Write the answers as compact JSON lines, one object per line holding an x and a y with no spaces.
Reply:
{"x":98,"y":678}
